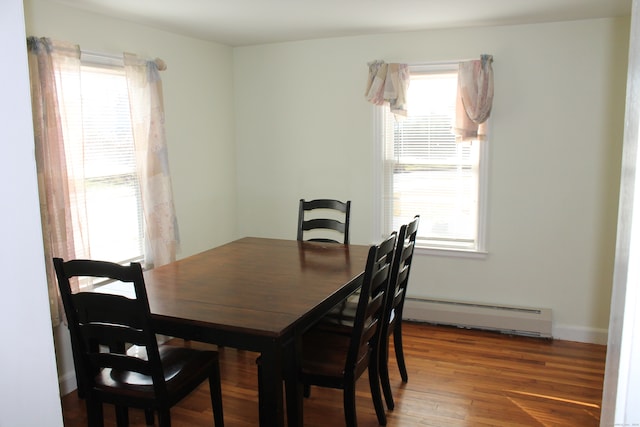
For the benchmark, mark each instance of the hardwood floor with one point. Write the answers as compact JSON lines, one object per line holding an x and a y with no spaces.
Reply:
{"x":457,"y":377}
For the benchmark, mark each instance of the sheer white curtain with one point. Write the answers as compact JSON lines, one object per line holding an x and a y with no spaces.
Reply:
{"x":147,"y":117}
{"x":54,"y":69}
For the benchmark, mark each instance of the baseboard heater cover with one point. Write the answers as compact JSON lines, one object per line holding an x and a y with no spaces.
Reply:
{"x":536,"y":322}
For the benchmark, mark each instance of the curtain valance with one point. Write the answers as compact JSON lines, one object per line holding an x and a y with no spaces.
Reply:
{"x":388,"y":84}
{"x":475,"y":98}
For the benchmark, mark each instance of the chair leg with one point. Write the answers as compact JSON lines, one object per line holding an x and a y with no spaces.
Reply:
{"x":122,"y":416}
{"x":383,"y":362}
{"x":216,"y":396}
{"x":164,"y":417}
{"x":374,"y":384}
{"x":397,"y":344}
{"x":349,"y":402}
{"x":384,"y":375}
{"x":94,"y":413}
{"x":148,"y":416}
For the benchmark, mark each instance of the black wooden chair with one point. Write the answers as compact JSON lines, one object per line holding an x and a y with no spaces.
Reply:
{"x":330,"y":217}
{"x":341,"y":317}
{"x":336,"y":359}
{"x":116,"y":355}
{"x":395,"y":305}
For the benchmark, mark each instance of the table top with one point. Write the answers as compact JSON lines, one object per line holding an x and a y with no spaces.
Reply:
{"x":255,"y":286}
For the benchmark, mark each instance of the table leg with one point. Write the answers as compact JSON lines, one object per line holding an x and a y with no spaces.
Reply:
{"x":293,"y":387}
{"x":270,"y":387}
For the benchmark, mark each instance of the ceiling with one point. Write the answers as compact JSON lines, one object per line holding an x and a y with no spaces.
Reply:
{"x":248,"y":22}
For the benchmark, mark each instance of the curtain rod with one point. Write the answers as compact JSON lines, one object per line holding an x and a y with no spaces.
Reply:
{"x":446,"y":62}
{"x":116,"y":59}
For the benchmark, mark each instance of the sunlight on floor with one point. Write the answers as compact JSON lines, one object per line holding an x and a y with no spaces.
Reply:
{"x":558,"y":399}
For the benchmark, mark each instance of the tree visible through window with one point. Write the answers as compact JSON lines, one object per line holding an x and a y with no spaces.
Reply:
{"x":428,"y":173}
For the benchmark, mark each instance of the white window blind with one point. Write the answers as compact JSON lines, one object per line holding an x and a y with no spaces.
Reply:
{"x":104,"y":149}
{"x":427,"y":172}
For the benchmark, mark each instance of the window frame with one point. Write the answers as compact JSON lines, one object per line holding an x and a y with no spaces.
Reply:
{"x":98,"y":64}
{"x":381,"y":223}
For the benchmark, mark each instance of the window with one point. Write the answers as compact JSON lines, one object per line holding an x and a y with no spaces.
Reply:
{"x":104,"y":150}
{"x":426,"y":172}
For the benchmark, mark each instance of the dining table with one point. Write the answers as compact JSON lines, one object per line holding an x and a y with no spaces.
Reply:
{"x":260,"y":295}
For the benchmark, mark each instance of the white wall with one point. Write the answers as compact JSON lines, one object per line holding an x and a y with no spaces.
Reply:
{"x":28,"y":374}
{"x":304,"y":130}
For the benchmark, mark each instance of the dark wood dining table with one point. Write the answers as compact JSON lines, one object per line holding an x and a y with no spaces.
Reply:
{"x":260,"y":295}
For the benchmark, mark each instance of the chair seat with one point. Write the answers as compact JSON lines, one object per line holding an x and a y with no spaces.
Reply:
{"x":325,"y":353}
{"x":180,"y":365}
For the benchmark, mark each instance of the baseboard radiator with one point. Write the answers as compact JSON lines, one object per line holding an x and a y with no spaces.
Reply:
{"x":534,"y":322}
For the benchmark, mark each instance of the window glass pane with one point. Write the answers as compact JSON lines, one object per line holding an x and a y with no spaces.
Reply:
{"x":431,"y":174}
{"x":113,"y":198}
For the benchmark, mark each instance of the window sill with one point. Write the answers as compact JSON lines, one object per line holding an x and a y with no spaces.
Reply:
{"x":452,"y":253}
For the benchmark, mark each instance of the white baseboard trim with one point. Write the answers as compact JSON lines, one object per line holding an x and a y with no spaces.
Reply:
{"x":67,"y":383}
{"x":581,"y":334}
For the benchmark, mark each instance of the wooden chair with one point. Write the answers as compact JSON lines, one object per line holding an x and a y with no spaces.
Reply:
{"x":329,"y":216}
{"x":395,"y":304}
{"x":335,"y":359}
{"x":116,"y":355}
{"x":341,"y":317}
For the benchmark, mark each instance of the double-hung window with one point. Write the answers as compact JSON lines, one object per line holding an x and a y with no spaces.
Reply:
{"x":100,"y":145}
{"x":427,"y":172}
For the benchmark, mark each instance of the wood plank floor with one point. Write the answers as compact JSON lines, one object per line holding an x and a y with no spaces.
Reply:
{"x":457,"y":377}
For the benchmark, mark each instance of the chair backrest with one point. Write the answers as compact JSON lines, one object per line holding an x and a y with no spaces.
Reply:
{"x":370,"y":310}
{"x":103,"y":325}
{"x":330,"y":216}
{"x":400,"y":271}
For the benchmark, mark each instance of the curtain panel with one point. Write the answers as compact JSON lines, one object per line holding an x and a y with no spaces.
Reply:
{"x":47,"y":59}
{"x":474,"y":99}
{"x":147,"y":117}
